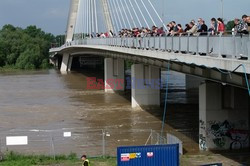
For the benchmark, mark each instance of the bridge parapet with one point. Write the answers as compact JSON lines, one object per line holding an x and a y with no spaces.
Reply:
{"x":226,"y":46}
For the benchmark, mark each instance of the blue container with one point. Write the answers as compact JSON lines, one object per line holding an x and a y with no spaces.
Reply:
{"x":155,"y":155}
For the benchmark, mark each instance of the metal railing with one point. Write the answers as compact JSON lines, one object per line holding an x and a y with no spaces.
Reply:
{"x":227,"y":46}
{"x":94,"y":142}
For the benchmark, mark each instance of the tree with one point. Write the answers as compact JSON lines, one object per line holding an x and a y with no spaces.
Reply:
{"x":230,"y":25}
{"x":24,"y":48}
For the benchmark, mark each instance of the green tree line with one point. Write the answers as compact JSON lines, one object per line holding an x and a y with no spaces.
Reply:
{"x":25,"y":48}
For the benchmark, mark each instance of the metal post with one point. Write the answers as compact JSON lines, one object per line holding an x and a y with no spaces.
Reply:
{"x":234,"y":46}
{"x":136,"y":42}
{"x":172,"y":48}
{"x":158,"y":138}
{"x":52,"y":147}
{"x":188,"y":38}
{"x":151,"y":137}
{"x":220,"y":44}
{"x":103,"y":143}
{"x":197,"y":45}
{"x":208,"y":35}
{"x":160,"y":42}
{"x":166,"y":41}
{"x":179,"y":43}
{"x":154,"y":42}
{"x":148,"y":43}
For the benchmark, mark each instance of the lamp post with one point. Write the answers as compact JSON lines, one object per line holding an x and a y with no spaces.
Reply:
{"x":222,"y":9}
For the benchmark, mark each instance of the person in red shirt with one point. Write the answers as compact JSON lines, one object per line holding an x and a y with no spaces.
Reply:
{"x":221,"y":25}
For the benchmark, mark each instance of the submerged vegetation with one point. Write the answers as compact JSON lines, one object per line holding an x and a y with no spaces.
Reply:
{"x":24,"y":48}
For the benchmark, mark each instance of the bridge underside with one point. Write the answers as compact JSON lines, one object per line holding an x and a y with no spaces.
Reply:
{"x":222,"y":106}
{"x":178,"y":62}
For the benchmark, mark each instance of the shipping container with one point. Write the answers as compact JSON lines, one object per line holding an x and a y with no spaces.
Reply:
{"x":154,"y":155}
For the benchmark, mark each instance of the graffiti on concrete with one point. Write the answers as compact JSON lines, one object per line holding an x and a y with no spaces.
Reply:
{"x":202,"y":142}
{"x":239,"y":138}
{"x":223,"y":131}
{"x":202,"y":125}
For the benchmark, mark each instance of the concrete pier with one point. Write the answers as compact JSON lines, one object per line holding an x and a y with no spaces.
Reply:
{"x":114,"y":75}
{"x":224,"y":117}
{"x":65,"y":62}
{"x":145,"y":85}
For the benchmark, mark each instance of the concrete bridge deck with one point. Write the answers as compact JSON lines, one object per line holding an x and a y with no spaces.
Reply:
{"x":215,"y":67}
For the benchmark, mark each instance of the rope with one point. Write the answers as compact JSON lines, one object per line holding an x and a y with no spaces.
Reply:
{"x":77,"y":23}
{"x":92,"y":16}
{"x":225,"y":72}
{"x":142,"y":14}
{"x":157,"y":14}
{"x":119,"y":20}
{"x":85,"y":18}
{"x":96,"y":20}
{"x":148,"y":13}
{"x":114,"y":20}
{"x":87,"y":6}
{"x":135,"y":13}
{"x":130,"y":13}
{"x":121,"y":14}
{"x":126,"y":16}
{"x":166,"y":98}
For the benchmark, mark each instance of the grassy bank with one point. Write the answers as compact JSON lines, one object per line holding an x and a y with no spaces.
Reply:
{"x":15,"y":159}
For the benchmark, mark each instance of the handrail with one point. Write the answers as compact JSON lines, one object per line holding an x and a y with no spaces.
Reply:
{"x":231,"y":46}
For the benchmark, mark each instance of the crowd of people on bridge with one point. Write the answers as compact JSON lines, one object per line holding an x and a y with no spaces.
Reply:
{"x":217,"y":26}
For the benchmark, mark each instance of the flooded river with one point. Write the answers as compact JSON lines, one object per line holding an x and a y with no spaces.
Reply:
{"x":43,"y":105}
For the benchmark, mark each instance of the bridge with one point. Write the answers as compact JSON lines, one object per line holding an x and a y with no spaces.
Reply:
{"x":222,"y":61}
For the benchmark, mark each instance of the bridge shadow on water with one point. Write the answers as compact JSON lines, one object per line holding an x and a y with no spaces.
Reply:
{"x":182,"y":119}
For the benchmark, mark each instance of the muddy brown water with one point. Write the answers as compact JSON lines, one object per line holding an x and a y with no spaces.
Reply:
{"x":44,"y":104}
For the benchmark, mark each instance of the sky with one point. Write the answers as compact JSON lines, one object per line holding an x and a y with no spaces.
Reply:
{"x":51,"y":15}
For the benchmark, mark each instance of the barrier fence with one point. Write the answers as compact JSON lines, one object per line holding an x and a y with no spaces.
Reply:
{"x":98,"y":142}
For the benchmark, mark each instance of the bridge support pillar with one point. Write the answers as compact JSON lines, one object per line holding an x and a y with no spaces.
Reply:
{"x":223,"y":117}
{"x":65,"y":62}
{"x":114,"y":75}
{"x":70,"y":63}
{"x":145,"y":86}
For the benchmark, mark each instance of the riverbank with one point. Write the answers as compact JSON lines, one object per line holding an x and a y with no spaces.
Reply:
{"x":16,"y":69}
{"x":16,"y":159}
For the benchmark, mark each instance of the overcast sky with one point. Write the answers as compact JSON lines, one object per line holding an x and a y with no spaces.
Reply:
{"x":51,"y":15}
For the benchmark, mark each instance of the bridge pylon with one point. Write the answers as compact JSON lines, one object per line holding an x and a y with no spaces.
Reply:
{"x":107,"y":15}
{"x":72,"y":19}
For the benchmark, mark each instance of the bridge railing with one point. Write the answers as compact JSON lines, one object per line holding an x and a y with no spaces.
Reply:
{"x":227,"y":46}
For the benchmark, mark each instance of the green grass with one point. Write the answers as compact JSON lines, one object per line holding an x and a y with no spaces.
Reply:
{"x":16,"y":159}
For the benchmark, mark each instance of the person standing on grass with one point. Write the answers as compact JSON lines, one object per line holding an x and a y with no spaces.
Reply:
{"x":85,"y":161}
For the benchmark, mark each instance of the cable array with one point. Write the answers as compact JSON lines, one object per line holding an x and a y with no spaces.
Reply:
{"x":124,"y":14}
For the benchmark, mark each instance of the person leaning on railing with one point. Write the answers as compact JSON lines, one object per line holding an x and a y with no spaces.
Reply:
{"x":241,"y":26}
{"x":213,"y":28}
{"x":193,"y":30}
{"x":203,"y":27}
{"x":221,"y":25}
{"x":248,"y":23}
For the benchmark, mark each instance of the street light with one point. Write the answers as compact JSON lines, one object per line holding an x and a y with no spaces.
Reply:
{"x":222,"y":9}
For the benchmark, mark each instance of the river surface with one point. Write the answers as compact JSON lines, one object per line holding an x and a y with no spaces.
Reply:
{"x":43,"y":105}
